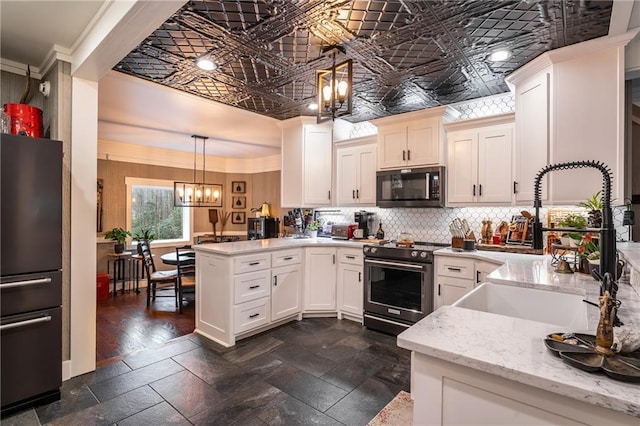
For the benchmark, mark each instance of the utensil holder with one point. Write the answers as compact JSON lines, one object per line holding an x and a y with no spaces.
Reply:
{"x":457,"y":243}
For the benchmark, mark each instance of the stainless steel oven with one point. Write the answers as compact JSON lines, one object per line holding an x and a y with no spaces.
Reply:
{"x":398,"y":286}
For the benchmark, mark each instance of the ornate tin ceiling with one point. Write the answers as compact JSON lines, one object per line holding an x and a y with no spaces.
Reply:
{"x":407,"y":54}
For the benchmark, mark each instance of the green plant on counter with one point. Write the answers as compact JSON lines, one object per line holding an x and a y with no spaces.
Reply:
{"x":594,"y":205}
{"x":574,"y":221}
{"x":117,"y":234}
{"x":313,"y":226}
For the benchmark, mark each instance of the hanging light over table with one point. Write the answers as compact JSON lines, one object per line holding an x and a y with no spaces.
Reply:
{"x":197,"y":194}
{"x":335,"y":89}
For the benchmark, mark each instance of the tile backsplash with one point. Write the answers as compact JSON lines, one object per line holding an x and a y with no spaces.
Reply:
{"x":432,"y":224}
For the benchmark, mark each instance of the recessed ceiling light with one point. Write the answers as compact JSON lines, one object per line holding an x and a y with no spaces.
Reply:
{"x":313,"y":106}
{"x":206,"y":64}
{"x":500,"y":55}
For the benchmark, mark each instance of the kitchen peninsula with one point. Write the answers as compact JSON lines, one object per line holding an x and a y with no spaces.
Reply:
{"x":246,"y":287}
{"x":498,"y":368}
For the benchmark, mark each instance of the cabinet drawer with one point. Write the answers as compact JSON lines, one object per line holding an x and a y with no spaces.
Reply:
{"x":350,"y":256}
{"x":256,"y":262}
{"x":288,"y":257}
{"x":250,"y":315}
{"x":251,"y":286}
{"x":454,"y":267}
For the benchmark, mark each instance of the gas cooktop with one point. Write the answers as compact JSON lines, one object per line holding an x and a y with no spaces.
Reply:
{"x":420,"y":251}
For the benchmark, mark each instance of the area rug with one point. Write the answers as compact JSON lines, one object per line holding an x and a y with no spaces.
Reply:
{"x":398,"y":412}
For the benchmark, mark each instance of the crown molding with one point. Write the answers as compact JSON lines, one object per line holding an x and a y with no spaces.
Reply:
{"x":19,"y":68}
{"x":566,"y":53}
{"x":474,"y":123}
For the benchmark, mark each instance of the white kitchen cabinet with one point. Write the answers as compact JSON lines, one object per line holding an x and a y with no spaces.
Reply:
{"x":479,"y":164}
{"x":412,"y":139}
{"x":319,"y":291}
{"x":241,"y":295}
{"x":306,"y":163}
{"x":570,"y":105}
{"x":356,"y":172}
{"x":350,"y":283}
{"x":286,"y":284}
{"x":456,"y":276}
{"x":532,"y":142}
{"x":483,"y":268}
{"x":285,"y":291}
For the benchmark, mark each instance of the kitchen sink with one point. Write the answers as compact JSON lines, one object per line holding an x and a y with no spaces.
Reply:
{"x":563,"y":309}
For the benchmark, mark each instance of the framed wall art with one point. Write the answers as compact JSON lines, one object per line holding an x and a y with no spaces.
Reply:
{"x":238,"y":187}
{"x":239,"y":202}
{"x":238,"y":217}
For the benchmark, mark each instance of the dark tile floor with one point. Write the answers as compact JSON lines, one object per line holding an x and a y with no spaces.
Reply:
{"x":316,"y":371}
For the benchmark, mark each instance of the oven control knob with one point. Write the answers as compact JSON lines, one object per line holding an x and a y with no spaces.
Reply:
{"x":374,"y":249}
{"x":423,"y":254}
{"x":365,"y":249}
{"x":414,"y":254}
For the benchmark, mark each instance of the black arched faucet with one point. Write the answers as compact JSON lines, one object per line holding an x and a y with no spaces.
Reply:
{"x":607,"y":232}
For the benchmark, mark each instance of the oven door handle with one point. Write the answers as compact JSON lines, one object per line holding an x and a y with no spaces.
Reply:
{"x":387,"y":263}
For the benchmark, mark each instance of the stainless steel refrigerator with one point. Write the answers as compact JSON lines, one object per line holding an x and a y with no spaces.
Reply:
{"x":30,"y":271}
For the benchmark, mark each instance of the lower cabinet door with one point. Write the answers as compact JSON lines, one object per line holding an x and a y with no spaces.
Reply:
{"x":448,"y":290}
{"x":350,"y":289}
{"x":285,"y":291}
{"x":250,"y":315}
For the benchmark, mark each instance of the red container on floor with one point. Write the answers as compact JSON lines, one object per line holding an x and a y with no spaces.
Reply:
{"x":102,"y":286}
{"x":26,"y":120}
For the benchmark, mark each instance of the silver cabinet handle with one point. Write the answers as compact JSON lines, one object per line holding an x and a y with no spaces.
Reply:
{"x":25,"y":323}
{"x":387,"y":263}
{"x":26,"y":282}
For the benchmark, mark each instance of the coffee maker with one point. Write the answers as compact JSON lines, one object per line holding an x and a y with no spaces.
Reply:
{"x":364,"y":220}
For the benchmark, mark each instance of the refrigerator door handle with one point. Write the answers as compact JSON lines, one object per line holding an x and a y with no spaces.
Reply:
{"x":24,"y":323}
{"x":25,"y":283}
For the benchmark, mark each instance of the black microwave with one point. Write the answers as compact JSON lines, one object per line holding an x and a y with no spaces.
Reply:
{"x":421,"y":187}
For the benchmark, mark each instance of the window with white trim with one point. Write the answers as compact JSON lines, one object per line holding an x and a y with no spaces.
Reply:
{"x":150,"y":206}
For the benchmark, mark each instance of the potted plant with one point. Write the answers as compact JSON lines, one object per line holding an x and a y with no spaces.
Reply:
{"x":574,"y":221}
{"x":145,"y":235}
{"x":312,"y":228}
{"x":594,"y":205}
{"x":120,"y":235}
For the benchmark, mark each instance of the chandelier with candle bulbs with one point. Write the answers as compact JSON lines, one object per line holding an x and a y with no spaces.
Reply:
{"x":197,"y":194}
{"x":335,"y":89}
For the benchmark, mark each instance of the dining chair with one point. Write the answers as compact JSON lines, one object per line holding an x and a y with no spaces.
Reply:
{"x":186,"y":272}
{"x":159,"y":283}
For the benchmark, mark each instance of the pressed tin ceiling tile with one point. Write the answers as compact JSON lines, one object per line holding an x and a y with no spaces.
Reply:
{"x":408,"y":54}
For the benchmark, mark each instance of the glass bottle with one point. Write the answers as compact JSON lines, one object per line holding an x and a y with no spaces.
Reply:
{"x":380,"y":233}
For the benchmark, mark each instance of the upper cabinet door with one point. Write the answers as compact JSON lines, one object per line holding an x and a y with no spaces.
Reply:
{"x":494,"y":166}
{"x":462,"y":167}
{"x":367,"y":174}
{"x":532,"y":141}
{"x":347,"y":175}
{"x":423,"y":144}
{"x":317,"y":166}
{"x":393,"y":146}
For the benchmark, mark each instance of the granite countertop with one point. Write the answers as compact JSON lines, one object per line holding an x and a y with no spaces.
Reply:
{"x":255,"y":246}
{"x":460,"y":335}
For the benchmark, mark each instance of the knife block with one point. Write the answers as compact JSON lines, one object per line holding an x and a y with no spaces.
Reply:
{"x":457,"y":243}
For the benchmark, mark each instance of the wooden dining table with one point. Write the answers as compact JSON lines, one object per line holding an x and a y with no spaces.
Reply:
{"x":186,"y":258}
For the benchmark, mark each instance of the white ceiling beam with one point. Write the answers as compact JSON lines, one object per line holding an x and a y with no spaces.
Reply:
{"x":122,"y":26}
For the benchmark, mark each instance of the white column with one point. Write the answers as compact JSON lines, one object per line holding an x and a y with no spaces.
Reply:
{"x":84,"y":171}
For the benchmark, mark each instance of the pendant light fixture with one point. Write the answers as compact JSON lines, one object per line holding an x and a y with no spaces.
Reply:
{"x":334,"y":88}
{"x":197,"y":194}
